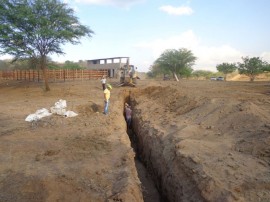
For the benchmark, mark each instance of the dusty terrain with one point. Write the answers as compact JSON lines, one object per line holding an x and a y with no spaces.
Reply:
{"x":199,"y":140}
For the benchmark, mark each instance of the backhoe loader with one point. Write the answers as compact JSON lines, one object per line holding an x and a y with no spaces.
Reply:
{"x":128,"y":76}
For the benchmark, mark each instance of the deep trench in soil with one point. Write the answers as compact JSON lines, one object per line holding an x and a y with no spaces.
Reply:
{"x":149,"y":189}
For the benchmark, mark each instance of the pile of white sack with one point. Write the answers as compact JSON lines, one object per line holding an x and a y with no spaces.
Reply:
{"x":59,"y":108}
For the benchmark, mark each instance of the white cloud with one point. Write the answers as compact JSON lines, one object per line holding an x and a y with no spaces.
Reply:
{"x":119,"y":3}
{"x":186,"y":39}
{"x":265,"y":56}
{"x":5,"y":57}
{"x":182,"y":10}
{"x":207,"y":57}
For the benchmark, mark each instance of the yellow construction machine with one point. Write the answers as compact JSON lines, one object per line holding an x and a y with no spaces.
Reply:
{"x":128,"y":76}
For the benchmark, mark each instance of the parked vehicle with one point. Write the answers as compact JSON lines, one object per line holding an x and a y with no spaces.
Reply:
{"x":220,"y":78}
{"x":213,"y":78}
{"x":166,"y":77}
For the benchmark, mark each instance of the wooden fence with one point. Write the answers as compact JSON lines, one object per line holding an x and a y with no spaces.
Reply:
{"x":53,"y":75}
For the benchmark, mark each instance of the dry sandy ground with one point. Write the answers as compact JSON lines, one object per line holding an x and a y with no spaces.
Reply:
{"x":84,"y":158}
{"x":199,"y":140}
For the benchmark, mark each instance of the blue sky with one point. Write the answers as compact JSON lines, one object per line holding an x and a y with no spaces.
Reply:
{"x":215,"y":31}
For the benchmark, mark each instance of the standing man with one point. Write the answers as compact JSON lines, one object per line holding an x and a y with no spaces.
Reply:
{"x":107,"y":95}
{"x":103,"y":81}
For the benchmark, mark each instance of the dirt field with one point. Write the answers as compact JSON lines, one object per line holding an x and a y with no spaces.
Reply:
{"x":199,"y":140}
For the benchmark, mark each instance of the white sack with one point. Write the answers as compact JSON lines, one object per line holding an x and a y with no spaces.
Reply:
{"x":70,"y":114}
{"x":59,"y":107}
{"x":59,"y":111}
{"x":61,"y":104}
{"x":39,"y":114}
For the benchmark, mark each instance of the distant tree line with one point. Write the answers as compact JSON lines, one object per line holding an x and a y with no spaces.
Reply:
{"x":25,"y":64}
{"x":178,"y":63}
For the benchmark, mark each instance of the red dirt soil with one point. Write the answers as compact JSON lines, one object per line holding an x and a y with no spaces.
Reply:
{"x":200,"y":140}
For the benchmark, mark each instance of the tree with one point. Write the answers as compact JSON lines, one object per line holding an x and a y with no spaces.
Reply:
{"x":251,"y":67}
{"x":71,"y":65}
{"x":202,"y":73}
{"x":176,"y":61}
{"x":266,"y":67}
{"x":186,"y":72}
{"x":36,"y":28}
{"x":157,"y":70}
{"x":226,"y":68}
{"x":3,"y":65}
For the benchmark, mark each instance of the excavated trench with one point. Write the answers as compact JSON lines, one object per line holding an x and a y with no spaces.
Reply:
{"x":171,"y":178}
{"x":149,"y":190}
{"x":148,"y":187}
{"x":148,"y":184}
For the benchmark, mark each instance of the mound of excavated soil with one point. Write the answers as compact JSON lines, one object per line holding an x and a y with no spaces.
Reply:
{"x":199,"y":140}
{"x":206,"y":140}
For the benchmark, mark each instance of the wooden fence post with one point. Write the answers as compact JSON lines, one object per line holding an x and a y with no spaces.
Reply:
{"x":81,"y":74}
